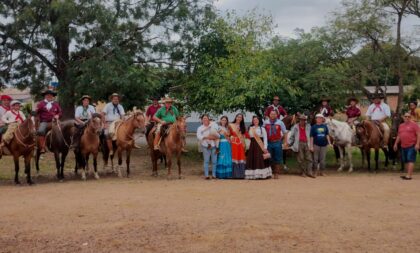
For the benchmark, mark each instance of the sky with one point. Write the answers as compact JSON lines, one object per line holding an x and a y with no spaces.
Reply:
{"x":291,"y":14}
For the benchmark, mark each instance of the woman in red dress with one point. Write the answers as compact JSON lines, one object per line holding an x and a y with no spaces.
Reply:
{"x":238,"y":132}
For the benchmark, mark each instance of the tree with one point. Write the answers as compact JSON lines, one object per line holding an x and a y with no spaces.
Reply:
{"x":86,"y":44}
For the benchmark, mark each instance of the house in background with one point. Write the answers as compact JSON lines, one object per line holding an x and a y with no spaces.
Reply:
{"x":391,"y":96}
{"x":23,"y":96}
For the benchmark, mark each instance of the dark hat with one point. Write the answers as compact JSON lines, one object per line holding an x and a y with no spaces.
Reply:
{"x":325,"y":99}
{"x":352,"y":99}
{"x":154,"y":98}
{"x":378,"y":95}
{"x":51,"y":92}
{"x":86,"y":96}
{"x":413,"y":102}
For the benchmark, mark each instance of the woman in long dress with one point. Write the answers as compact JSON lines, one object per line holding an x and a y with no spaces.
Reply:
{"x":224,"y":158}
{"x":256,"y":166}
{"x":238,"y":132}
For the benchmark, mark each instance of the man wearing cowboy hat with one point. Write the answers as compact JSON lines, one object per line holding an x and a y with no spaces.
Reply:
{"x":299,"y":141}
{"x":409,"y":137}
{"x":352,"y":111}
{"x":46,"y":110}
{"x":12,"y":118}
{"x":150,"y":112}
{"x":378,"y":112}
{"x":112,"y":111}
{"x":165,"y":115}
{"x":281,"y":112}
{"x":4,"y":107}
{"x":325,"y":108}
{"x":82,"y":114}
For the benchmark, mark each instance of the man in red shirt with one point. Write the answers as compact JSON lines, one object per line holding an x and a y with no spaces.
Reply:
{"x":46,"y":110}
{"x":150,"y":112}
{"x":409,"y":137}
{"x":352,"y":112}
{"x":281,"y":112}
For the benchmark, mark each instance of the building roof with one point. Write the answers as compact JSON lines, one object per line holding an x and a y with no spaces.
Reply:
{"x":22,"y":95}
{"x":389,"y":89}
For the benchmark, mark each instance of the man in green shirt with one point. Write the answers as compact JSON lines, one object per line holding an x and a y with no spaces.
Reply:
{"x":165,"y":115}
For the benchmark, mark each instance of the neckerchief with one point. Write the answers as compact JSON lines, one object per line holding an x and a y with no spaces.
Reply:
{"x":5,"y":108}
{"x":273,"y":130}
{"x":377,"y":106}
{"x":115,"y":110}
{"x":85,"y":113}
{"x":17,"y":116}
{"x":48,"y":104}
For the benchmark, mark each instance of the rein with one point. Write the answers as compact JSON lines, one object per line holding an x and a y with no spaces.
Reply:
{"x":62,"y":135}
{"x":20,"y":141}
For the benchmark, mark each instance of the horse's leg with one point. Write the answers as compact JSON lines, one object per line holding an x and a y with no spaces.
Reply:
{"x":95,"y":164}
{"x":169,"y":161}
{"x":37,"y":156}
{"x":376,"y":159}
{"x":284,"y":160}
{"x":76,"y":164}
{"x":57,"y":163}
{"x":16,"y":161}
{"x":128,"y":154}
{"x":178,"y":157}
{"x":341,"y":153}
{"x":350,"y":157}
{"x":28,"y":168}
{"x":337,"y":153}
{"x":368,"y":158}
{"x":84,"y":159}
{"x":363,"y":157}
{"x":119,"y":152}
{"x":386,"y":152}
{"x":63,"y":161}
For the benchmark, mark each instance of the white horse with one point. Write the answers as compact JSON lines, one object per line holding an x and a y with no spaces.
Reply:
{"x":343,"y":136}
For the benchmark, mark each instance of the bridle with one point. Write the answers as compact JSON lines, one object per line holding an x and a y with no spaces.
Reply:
{"x":20,"y":141}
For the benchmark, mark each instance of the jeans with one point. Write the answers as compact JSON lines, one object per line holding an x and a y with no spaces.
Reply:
{"x":207,"y":154}
{"x":276,"y":152}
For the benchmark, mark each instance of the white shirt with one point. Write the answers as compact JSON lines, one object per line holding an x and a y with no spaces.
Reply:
{"x":378,"y":112}
{"x":84,"y":115}
{"x":111,"y":112}
{"x":260,"y":131}
{"x":205,"y":131}
{"x":9,"y":117}
{"x":2,"y":112}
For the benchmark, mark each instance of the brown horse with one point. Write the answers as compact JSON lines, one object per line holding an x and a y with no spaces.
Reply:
{"x":89,"y":144}
{"x":370,"y":137}
{"x":23,"y":144}
{"x":171,"y":144}
{"x":59,"y":141}
{"x":125,"y":140}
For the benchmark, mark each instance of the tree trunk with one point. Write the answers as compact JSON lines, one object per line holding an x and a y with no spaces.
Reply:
{"x":399,"y":71}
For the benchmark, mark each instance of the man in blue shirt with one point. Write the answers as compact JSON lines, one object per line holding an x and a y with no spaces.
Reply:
{"x":319,"y":141}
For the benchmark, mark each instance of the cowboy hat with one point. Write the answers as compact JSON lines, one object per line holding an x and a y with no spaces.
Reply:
{"x":114,"y":95}
{"x":167,"y":100}
{"x":85,"y":96}
{"x":15,"y":102}
{"x":325,"y":99}
{"x":6,"y":97}
{"x":303,"y":116}
{"x":154,"y":98}
{"x":352,"y":99}
{"x":377,"y":95}
{"x":319,"y":115}
{"x":49,"y":92}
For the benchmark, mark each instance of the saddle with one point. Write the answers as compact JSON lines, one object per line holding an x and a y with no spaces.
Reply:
{"x":113,"y":129}
{"x":164,"y":131}
{"x":380,"y":127}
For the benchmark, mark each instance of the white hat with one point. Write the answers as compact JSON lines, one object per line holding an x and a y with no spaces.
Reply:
{"x":15,"y":102}
{"x":319,"y":115}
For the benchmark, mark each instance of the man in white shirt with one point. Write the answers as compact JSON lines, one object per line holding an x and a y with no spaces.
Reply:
{"x":207,"y":135}
{"x":4,"y":107}
{"x":113,"y":111}
{"x":379,"y":111}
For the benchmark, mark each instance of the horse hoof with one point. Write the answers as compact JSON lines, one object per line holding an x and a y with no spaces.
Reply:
{"x":181,"y":177}
{"x":17,"y":182}
{"x":350,"y":170}
{"x":96,"y":176}
{"x":120,"y":174}
{"x":340,"y":170}
{"x":30,"y":182}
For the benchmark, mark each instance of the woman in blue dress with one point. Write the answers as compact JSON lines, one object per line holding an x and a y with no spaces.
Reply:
{"x":224,"y":158}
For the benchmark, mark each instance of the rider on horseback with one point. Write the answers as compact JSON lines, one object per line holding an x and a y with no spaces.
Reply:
{"x":12,"y":119}
{"x":165,"y":115}
{"x":378,"y":112}
{"x":46,"y":110}
{"x":113,"y":111}
{"x":82,"y":114}
{"x":4,"y":107}
{"x":150,"y":112}
{"x":281,"y":112}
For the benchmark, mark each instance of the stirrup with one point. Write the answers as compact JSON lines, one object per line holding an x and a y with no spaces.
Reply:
{"x":156,"y":147}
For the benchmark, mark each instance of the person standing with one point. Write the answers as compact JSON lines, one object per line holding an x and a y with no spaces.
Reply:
{"x":318,"y":145}
{"x":224,"y":158}
{"x":46,"y":110}
{"x":207,"y":135}
{"x":378,"y":112}
{"x":4,"y":107}
{"x":238,"y":132}
{"x":299,"y":141}
{"x":112,"y":112}
{"x":257,"y":167}
{"x":275,"y":130}
{"x":414,"y":111}
{"x":409,"y":137}
{"x":12,"y":118}
{"x":281,"y":112}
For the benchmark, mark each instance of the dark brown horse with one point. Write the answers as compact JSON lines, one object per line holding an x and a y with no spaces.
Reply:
{"x":395,"y":155}
{"x":172,"y":144}
{"x":22,"y":144}
{"x":124,"y":140}
{"x":89,"y":145}
{"x":58,"y":141}
{"x":370,"y":137}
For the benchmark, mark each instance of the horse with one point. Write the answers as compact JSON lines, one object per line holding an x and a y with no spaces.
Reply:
{"x":22,"y":144}
{"x":343,"y":135}
{"x":58,"y":141}
{"x":89,"y":144}
{"x":124,"y":140}
{"x":170,"y":145}
{"x":394,"y":155}
{"x":370,"y":137}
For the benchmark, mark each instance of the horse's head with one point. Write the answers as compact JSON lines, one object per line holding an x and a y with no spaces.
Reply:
{"x":181,"y":124}
{"x":139,"y":121}
{"x":362,"y":132}
{"x":95,"y":123}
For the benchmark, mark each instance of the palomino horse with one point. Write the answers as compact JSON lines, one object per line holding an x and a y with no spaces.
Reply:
{"x":89,"y":144}
{"x":172,"y":144}
{"x":23,"y":144}
{"x":371,"y":137}
{"x":343,"y":138}
{"x":124,"y":140}
{"x":58,"y":140}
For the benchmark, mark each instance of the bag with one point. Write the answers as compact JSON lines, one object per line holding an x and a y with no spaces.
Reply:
{"x":260,"y":143}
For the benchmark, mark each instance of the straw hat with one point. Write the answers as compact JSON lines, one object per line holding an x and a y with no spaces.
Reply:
{"x":15,"y":102}
{"x":86,"y":96}
{"x":114,"y":95}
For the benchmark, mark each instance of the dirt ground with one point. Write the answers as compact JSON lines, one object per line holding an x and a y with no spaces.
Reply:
{"x":360,"y":212}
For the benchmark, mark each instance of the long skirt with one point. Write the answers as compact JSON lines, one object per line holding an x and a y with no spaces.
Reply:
{"x":238,"y":159}
{"x":224,"y":160}
{"x":256,"y":166}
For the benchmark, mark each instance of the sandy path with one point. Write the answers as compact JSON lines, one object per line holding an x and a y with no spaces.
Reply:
{"x":361,"y":212}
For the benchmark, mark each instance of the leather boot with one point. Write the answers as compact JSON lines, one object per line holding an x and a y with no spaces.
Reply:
{"x":156,"y":141}
{"x":41,"y":144}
